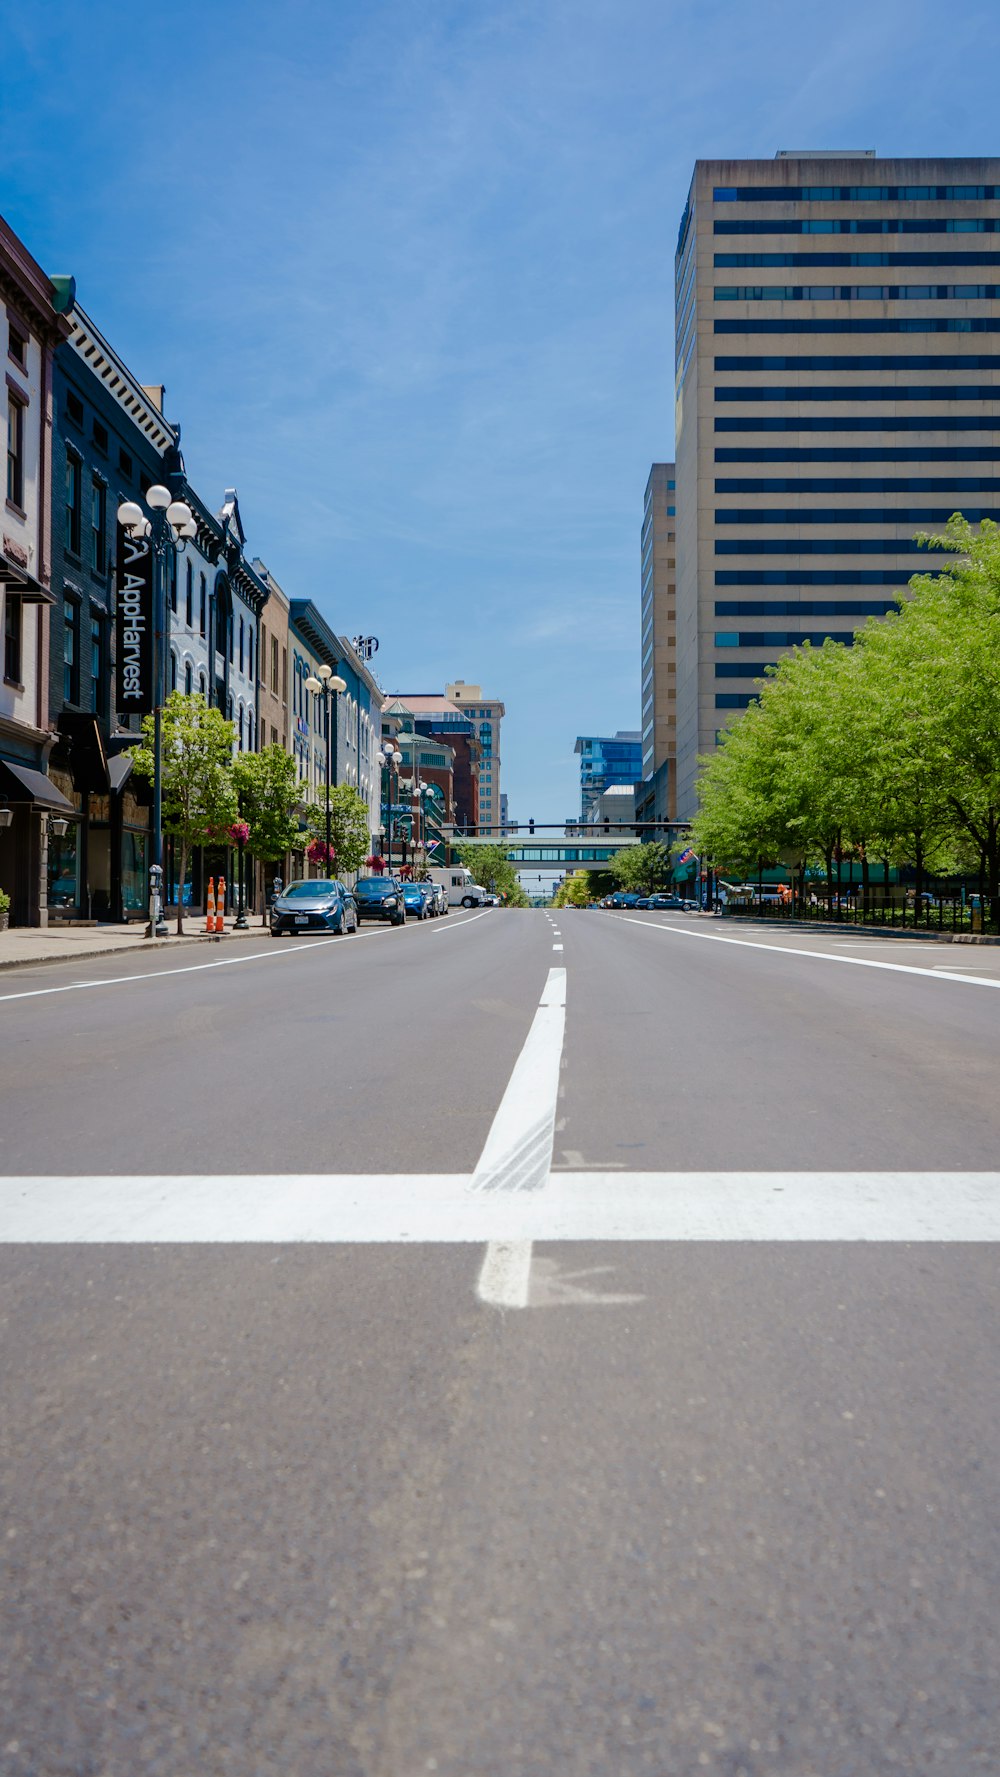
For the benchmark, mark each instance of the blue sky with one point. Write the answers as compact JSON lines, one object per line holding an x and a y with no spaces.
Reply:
{"x":406,"y":271}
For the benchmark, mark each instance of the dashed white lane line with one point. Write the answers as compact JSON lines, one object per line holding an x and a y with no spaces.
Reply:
{"x":222,"y":962}
{"x":821,"y":956}
{"x":557,"y":946}
{"x":505,"y":1277}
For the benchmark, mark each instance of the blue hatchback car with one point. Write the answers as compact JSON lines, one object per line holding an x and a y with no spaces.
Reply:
{"x":416,"y":900}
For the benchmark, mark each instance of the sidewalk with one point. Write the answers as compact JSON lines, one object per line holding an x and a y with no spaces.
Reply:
{"x":46,"y":944}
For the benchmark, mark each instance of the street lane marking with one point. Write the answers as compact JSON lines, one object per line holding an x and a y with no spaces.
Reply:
{"x":440,"y":1209}
{"x":222,"y":962}
{"x":517,"y":1155}
{"x":506,"y":1274}
{"x":439,"y":930}
{"x":822,"y":956}
{"x":557,"y":946}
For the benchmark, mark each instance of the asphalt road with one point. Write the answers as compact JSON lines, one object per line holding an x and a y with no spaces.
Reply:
{"x":287,"y":1485}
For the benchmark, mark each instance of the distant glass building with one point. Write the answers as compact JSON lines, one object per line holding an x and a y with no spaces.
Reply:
{"x":607,"y":760}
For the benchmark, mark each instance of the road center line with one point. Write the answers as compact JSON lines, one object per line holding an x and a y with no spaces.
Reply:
{"x":821,"y":956}
{"x":506,"y":1274}
{"x":517,"y":1155}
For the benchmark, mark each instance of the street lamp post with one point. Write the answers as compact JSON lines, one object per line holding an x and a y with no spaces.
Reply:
{"x":419,"y":794}
{"x":168,"y":526}
{"x":390,"y":759}
{"x":326,"y":684}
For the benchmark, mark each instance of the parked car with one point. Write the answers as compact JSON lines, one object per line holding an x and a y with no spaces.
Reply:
{"x":320,"y":906}
{"x":415,"y":900}
{"x":440,"y":897}
{"x":380,"y":897}
{"x":624,"y":899}
{"x":643,"y":901}
{"x":667,"y":903}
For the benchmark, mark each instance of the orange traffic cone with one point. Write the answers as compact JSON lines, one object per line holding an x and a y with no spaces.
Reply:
{"x":220,"y":904}
{"x":210,"y":906}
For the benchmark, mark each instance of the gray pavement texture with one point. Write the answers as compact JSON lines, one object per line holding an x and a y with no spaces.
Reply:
{"x":317,"y":1511}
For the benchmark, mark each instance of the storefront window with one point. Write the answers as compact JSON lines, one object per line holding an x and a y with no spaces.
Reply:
{"x":135,"y":888}
{"x":64,"y":867}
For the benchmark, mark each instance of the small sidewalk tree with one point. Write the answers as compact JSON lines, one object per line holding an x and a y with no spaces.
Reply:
{"x":350,"y":831}
{"x":269,"y":793}
{"x":199,"y":793}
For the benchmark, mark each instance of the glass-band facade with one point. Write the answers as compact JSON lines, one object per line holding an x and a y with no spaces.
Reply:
{"x":866,"y":371}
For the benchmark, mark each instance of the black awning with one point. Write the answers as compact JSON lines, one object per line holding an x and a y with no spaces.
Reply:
{"x":19,"y":783}
{"x":88,"y":759}
{"x":119,"y":770}
{"x":17,"y":580}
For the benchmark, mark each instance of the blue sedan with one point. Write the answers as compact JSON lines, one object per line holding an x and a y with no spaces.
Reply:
{"x":321,"y":906}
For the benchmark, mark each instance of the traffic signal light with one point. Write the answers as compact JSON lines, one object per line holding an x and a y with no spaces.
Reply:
{"x":531,"y":826}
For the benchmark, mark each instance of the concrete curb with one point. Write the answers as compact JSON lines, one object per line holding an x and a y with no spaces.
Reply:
{"x":139,"y":948}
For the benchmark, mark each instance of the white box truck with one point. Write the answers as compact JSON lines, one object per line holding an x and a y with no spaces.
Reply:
{"x":458,"y":885}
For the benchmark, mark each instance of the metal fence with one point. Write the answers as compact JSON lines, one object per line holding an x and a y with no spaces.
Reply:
{"x":938,"y":914}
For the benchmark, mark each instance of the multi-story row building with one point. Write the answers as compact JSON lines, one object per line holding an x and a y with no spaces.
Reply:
{"x":837,"y":391}
{"x":82,"y":435}
{"x":467,"y":721}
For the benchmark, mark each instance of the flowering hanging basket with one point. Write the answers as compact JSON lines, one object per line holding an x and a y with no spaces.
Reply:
{"x":319,"y":853}
{"x":239,"y":832}
{"x":375,"y":864}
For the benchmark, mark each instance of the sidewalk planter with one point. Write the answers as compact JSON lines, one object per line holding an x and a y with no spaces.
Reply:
{"x":4,"y":911}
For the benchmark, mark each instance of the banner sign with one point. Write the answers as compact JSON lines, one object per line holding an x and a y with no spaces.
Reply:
{"x":135,"y":693}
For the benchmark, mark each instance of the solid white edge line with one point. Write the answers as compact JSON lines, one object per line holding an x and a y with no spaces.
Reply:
{"x":222,"y":962}
{"x":822,"y":956}
{"x":375,"y":1209}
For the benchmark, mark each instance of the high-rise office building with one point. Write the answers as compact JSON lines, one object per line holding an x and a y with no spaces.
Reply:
{"x":837,"y":390}
{"x":656,"y":796}
{"x":607,"y":759}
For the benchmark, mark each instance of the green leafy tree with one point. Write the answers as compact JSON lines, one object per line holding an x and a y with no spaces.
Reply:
{"x":268,"y":789}
{"x":350,"y":834}
{"x":492,"y":868}
{"x":641,"y":868}
{"x":574,"y":891}
{"x":199,"y":791}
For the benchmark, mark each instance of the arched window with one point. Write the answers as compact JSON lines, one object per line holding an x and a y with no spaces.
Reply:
{"x":239,"y":728}
{"x":188,"y":676}
{"x":202,"y":687}
{"x":189,"y":597}
{"x":250,"y":652}
{"x":173,"y":670}
{"x":240,"y":656}
{"x":252,"y":730}
{"x":231,"y":709}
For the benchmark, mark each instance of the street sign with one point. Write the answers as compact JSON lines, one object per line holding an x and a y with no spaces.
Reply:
{"x":135,"y":692}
